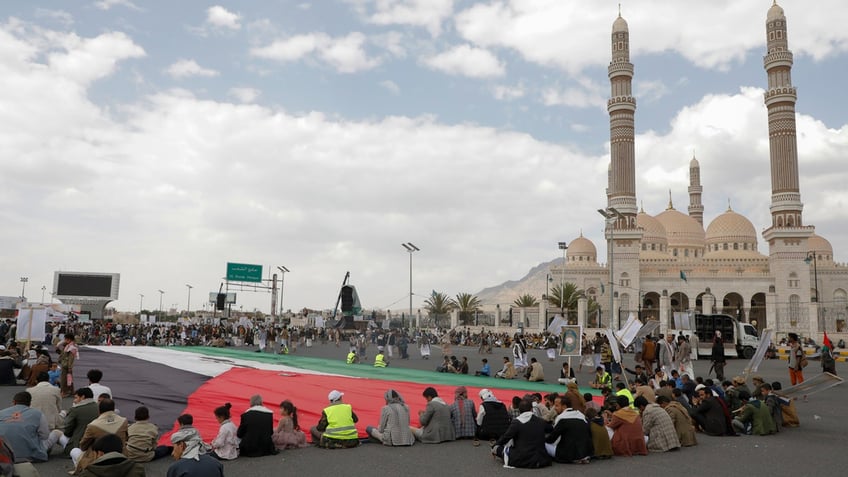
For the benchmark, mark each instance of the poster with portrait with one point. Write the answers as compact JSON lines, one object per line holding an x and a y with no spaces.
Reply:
{"x":570,"y":341}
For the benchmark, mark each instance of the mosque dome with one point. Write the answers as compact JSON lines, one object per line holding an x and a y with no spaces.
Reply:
{"x":821,"y":247}
{"x":620,"y":25}
{"x":682,"y":231}
{"x":581,"y":252}
{"x":774,"y":13}
{"x":731,"y":234}
{"x":654,"y":241}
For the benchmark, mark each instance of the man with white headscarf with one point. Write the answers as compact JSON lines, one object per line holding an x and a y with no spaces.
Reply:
{"x":191,"y":459}
{"x":492,"y":418}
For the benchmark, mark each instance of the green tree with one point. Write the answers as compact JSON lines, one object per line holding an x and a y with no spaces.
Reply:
{"x":438,"y":304}
{"x":525,"y":301}
{"x":467,"y":304}
{"x":565,"y":296}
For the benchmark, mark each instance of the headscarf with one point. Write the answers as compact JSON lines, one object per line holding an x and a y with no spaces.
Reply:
{"x":393,"y":397}
{"x":194,"y":444}
{"x":487,"y":396}
{"x":460,"y":394}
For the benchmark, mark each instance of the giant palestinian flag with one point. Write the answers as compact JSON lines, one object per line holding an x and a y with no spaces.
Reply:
{"x":196,"y":380}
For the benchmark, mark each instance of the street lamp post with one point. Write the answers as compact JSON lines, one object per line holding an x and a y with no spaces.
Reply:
{"x":562,"y":246}
{"x":411,"y":248}
{"x":610,"y":214}
{"x":161,"y":294}
{"x":24,"y":281}
{"x":283,"y":270}
{"x":43,"y":289}
{"x":548,"y":280}
{"x":140,"y":303}
{"x":188,"y":300}
{"x":812,"y":256}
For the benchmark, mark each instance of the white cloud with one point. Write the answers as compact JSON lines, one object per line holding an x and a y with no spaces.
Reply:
{"x":585,"y":94}
{"x":467,"y":60}
{"x":429,"y":14}
{"x":346,"y":54}
{"x":245,"y":95}
{"x":60,"y":16}
{"x":392,"y":41}
{"x":89,"y":59}
{"x":108,"y":4}
{"x":508,"y":93}
{"x":390,"y":86}
{"x":186,"y":68}
{"x":220,"y":17}
{"x":650,"y":90}
{"x":712,"y":35}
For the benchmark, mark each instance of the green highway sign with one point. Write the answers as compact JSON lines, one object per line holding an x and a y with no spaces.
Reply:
{"x":243,"y":272}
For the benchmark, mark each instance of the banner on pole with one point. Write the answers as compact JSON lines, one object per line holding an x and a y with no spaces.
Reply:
{"x":757,"y":359}
{"x":571,"y":341}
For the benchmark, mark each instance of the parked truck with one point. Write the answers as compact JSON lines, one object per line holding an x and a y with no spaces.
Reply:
{"x":740,"y":339}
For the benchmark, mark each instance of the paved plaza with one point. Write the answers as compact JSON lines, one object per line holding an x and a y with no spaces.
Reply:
{"x":817,"y":446}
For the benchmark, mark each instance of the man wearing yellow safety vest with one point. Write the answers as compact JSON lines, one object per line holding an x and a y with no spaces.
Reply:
{"x":351,"y":356}
{"x":336,"y":429}
{"x":621,"y":390}
{"x":602,"y":378}
{"x":380,"y":359}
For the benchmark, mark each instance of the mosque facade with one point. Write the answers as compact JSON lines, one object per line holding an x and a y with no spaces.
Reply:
{"x":670,"y":263}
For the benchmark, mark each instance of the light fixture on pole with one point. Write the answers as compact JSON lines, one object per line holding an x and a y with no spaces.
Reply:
{"x":562,"y":246}
{"x":140,"y":302}
{"x":43,"y":289}
{"x":283,"y":270}
{"x":161,"y":294}
{"x":411,"y":248}
{"x":24,"y":281}
{"x":812,"y":257}
{"x":610,"y":214}
{"x":188,"y":300}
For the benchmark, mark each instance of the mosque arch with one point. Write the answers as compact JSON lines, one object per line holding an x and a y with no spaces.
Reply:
{"x":757,"y":314}
{"x":732,"y":304}
{"x":840,"y":314}
{"x":651,"y":306}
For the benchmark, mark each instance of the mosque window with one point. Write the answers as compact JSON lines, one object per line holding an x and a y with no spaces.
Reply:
{"x":793,"y":280}
{"x":724,"y":246}
{"x":779,"y":34}
{"x":674,"y":252}
{"x":771,"y":35}
{"x":735,"y":246}
{"x":653,"y":246}
{"x":685,"y":252}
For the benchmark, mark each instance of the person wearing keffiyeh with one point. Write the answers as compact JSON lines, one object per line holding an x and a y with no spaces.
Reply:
{"x":191,"y":458}
{"x":463,"y":414}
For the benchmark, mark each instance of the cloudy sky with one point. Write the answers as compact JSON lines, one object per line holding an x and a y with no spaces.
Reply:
{"x":162,"y":139}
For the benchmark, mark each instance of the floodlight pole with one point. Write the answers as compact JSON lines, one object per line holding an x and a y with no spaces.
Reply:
{"x":188,"y":301}
{"x":562,"y":246}
{"x":812,"y":256}
{"x":411,"y":248}
{"x":283,"y":270}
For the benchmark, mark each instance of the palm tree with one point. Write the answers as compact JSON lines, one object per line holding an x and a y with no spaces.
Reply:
{"x":526,"y":301}
{"x":467,"y":304}
{"x":565,"y":296}
{"x":438,"y":303}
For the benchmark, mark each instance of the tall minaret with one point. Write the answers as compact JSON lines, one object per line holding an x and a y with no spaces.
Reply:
{"x":624,"y":238}
{"x":787,"y":236}
{"x":621,"y":193}
{"x":780,"y":100}
{"x":696,"y":209}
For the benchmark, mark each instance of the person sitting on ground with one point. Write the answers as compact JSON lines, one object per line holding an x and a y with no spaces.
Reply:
{"x":621,"y":390}
{"x":492,"y":417}
{"x":534,"y":371}
{"x":191,"y":459}
{"x":7,"y":368}
{"x":55,"y":373}
{"x":753,"y":417}
{"x":142,"y":436}
{"x":352,"y":356}
{"x":601,"y":445}
{"x":288,"y":434}
{"x":255,"y":429}
{"x":642,"y":389}
{"x":566,"y":374}
{"x":94,"y":376}
{"x":486,"y":370}
{"x":570,"y":442}
{"x":225,"y":446}
{"x":508,"y":370}
{"x":110,"y":461}
{"x":590,"y":403}
{"x":83,"y":410}
{"x":463,"y":366}
{"x":681,"y":420}
{"x":380,"y":358}
{"x":463,"y":415}
{"x":708,"y":414}
{"x":393,"y":429}
{"x":25,"y":430}
{"x":47,"y":399}
{"x":435,"y":419}
{"x":336,"y":429}
{"x":602,"y":378}
{"x":107,"y":422}
{"x":629,"y":437}
{"x":523,"y":443}
{"x":658,"y":426}
{"x":42,"y":364}
{"x":578,"y":403}
{"x":446,"y":366}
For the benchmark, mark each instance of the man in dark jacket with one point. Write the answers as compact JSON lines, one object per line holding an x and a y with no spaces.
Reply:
{"x":256,"y":429}
{"x":571,"y":440}
{"x":527,"y":434}
{"x":717,"y":357}
{"x":708,"y":413}
{"x":110,"y":461}
{"x":492,"y":418}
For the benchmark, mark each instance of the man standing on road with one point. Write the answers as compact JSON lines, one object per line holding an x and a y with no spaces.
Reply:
{"x":67,"y":358}
{"x":666,"y":359}
{"x":796,"y":358}
{"x":717,"y":357}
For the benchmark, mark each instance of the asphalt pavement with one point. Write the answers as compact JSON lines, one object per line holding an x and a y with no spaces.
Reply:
{"x":816,"y":447}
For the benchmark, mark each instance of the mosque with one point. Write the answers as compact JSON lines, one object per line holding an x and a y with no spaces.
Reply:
{"x":659,"y":266}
